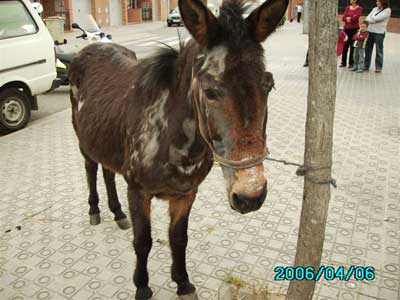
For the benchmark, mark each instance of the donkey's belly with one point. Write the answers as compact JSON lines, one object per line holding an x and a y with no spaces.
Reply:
{"x":99,"y":140}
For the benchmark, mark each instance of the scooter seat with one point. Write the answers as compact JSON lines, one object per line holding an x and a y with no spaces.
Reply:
{"x":66,"y":57}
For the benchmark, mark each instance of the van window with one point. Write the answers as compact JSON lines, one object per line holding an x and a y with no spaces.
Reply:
{"x":15,"y":20}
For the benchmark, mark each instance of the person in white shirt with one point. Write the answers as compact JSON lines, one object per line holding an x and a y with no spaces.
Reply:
{"x":299,"y":8}
{"x":378,"y":19}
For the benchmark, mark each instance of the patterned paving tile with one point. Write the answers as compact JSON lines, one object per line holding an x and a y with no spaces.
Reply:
{"x":48,"y":250}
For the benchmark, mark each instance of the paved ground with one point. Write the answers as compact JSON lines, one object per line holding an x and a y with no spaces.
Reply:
{"x":56,"y":254}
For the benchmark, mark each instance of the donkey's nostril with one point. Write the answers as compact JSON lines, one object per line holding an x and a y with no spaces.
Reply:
{"x":245,"y":204}
{"x":236,"y":201}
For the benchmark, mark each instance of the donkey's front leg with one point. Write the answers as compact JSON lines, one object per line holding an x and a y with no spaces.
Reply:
{"x":179,"y":211}
{"x":139,"y":207}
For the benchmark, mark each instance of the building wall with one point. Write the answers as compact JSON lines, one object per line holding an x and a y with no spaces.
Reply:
{"x":292,"y":11}
{"x":173,"y":4}
{"x":115,"y":13}
{"x":49,"y":8}
{"x":394,"y":25}
{"x":101,"y":12}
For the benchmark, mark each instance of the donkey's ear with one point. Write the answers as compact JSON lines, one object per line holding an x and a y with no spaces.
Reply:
{"x":263,"y":21}
{"x":199,"y":20}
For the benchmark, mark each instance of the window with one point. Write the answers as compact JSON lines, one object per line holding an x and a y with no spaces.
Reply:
{"x":132,"y":3}
{"x":15,"y":20}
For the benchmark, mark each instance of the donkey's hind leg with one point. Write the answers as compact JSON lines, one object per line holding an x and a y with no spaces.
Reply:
{"x":113,"y":202}
{"x":91,"y":176}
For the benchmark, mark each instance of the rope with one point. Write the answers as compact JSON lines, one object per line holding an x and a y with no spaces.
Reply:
{"x":301,"y":171}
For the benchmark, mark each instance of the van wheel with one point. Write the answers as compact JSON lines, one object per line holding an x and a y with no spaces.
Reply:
{"x":15,"y":110}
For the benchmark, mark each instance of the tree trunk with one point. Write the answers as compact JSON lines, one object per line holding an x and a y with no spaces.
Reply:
{"x":306,"y":16}
{"x":318,"y":145}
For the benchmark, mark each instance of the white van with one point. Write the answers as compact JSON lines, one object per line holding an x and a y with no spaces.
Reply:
{"x":27,"y":62}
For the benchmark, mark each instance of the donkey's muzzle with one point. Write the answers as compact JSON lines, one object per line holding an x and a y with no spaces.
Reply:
{"x":245,"y":203}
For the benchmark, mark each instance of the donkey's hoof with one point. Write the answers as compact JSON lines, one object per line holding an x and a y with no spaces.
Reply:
{"x":124,"y":223}
{"x":94,"y":219}
{"x":186,"y":291}
{"x":143,"y":293}
{"x":192,"y":296}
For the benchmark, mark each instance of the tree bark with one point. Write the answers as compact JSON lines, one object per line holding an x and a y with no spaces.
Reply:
{"x":319,"y":142}
{"x":306,"y":16}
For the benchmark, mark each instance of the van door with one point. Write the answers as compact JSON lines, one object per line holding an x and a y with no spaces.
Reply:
{"x":26,"y":47}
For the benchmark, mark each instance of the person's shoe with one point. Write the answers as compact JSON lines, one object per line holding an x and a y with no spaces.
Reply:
{"x":354,"y":69}
{"x":342,"y":66}
{"x":378,"y":71}
{"x":359,"y":71}
{"x":350,"y":66}
{"x":305,"y":65}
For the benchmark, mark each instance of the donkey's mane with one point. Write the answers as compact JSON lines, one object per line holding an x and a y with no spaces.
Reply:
{"x":233,"y":28}
{"x":159,"y":71}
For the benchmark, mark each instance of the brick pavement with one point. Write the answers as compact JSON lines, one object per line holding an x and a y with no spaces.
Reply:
{"x":56,"y":254}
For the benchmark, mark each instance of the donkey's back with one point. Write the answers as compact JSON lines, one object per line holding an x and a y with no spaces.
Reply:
{"x":100,"y":77}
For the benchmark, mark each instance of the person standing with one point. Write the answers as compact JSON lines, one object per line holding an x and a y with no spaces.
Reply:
{"x":299,"y":8}
{"x":350,"y":18}
{"x":360,"y":40}
{"x":378,"y":19}
{"x":342,"y":40}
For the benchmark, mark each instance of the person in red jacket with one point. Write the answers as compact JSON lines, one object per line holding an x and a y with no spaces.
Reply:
{"x":342,"y":39}
{"x":360,"y":40}
{"x":350,"y":18}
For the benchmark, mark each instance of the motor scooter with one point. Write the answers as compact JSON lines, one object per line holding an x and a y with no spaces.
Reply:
{"x":63,"y":59}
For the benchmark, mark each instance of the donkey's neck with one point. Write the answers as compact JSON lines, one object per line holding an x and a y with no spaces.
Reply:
{"x":186,"y":144}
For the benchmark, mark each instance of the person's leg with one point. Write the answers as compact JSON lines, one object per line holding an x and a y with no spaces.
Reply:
{"x":368,"y":50}
{"x":379,"y":51}
{"x":345,"y":50}
{"x":351,"y":34}
{"x":306,"y":62}
{"x":359,"y":64}
{"x":298,"y":17}
{"x":355,"y":59}
{"x":361,"y":58}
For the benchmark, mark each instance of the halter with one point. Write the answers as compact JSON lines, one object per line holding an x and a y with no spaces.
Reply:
{"x":234,"y":164}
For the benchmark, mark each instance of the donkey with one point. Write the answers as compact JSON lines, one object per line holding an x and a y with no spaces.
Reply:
{"x":162,"y":122}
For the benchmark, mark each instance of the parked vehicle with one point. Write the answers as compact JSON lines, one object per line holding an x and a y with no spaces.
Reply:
{"x":248,"y":7}
{"x":27,"y":64}
{"x":174,"y":18}
{"x":64,"y":58}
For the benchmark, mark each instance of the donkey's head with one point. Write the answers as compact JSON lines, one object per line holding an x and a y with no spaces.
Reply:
{"x":231,"y":87}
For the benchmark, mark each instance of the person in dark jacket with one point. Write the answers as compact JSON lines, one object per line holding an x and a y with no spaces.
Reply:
{"x":351,"y":19}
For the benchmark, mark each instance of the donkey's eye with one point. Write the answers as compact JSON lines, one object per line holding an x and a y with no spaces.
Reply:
{"x":212,"y":94}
